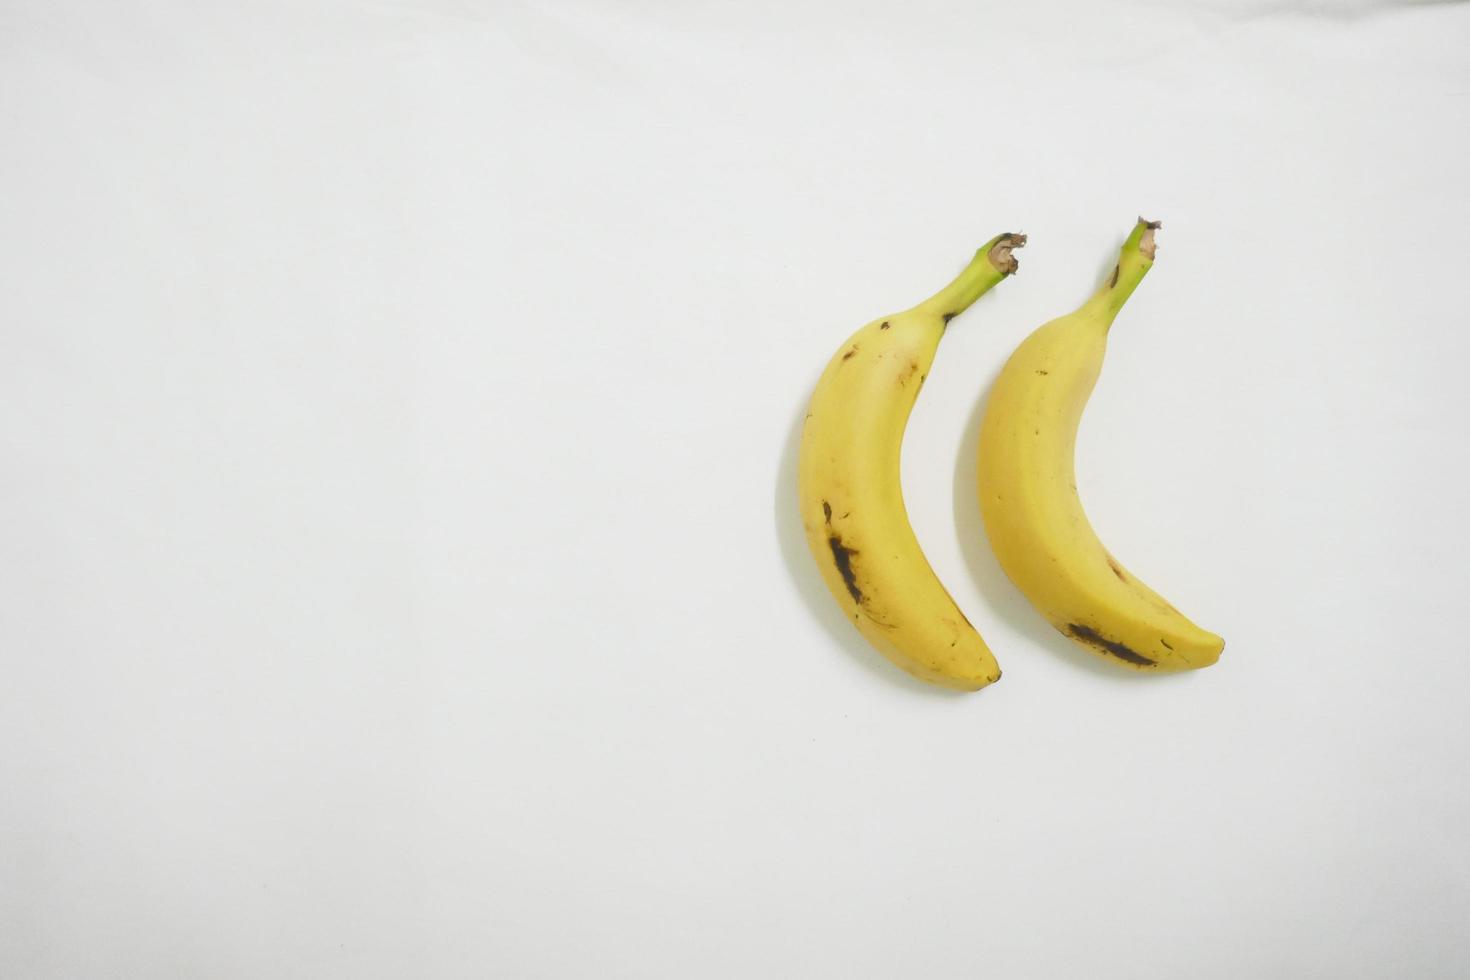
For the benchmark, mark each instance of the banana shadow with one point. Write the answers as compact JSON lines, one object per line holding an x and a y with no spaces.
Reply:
{"x":997,"y":591}
{"x":808,"y":581}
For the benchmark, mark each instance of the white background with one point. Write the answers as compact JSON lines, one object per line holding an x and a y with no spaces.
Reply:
{"x":399,"y":569}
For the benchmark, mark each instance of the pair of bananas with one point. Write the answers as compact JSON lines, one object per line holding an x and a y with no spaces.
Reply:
{"x":852,"y":502}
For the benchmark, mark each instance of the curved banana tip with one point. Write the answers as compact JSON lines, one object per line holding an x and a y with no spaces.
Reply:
{"x":1209,"y":651}
{"x":1000,"y":252}
{"x":967,"y":683}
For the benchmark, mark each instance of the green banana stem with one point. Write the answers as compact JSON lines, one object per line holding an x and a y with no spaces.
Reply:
{"x":992,"y":263}
{"x":1134,"y":260}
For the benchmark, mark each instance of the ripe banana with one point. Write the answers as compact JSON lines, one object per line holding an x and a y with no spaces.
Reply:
{"x":850,"y":495}
{"x":1028,"y":490}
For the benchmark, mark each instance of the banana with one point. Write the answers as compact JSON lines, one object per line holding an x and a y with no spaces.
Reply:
{"x":1028,"y":490}
{"x":850,"y":494}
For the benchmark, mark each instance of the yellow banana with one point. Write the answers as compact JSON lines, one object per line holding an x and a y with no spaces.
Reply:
{"x":1028,"y":490}
{"x":851,"y":500}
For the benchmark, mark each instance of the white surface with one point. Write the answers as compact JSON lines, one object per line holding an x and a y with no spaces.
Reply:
{"x":400,"y":571}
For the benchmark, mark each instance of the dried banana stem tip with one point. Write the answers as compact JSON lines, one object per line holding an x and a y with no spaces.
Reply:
{"x":1146,"y":240}
{"x":1001,"y":256}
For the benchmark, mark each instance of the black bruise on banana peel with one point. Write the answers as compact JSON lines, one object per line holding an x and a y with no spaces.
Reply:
{"x":1093,"y":638}
{"x":842,"y":557}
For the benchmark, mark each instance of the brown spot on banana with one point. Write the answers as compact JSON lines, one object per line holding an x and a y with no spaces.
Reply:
{"x":842,"y":558}
{"x":1095,"y":639}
